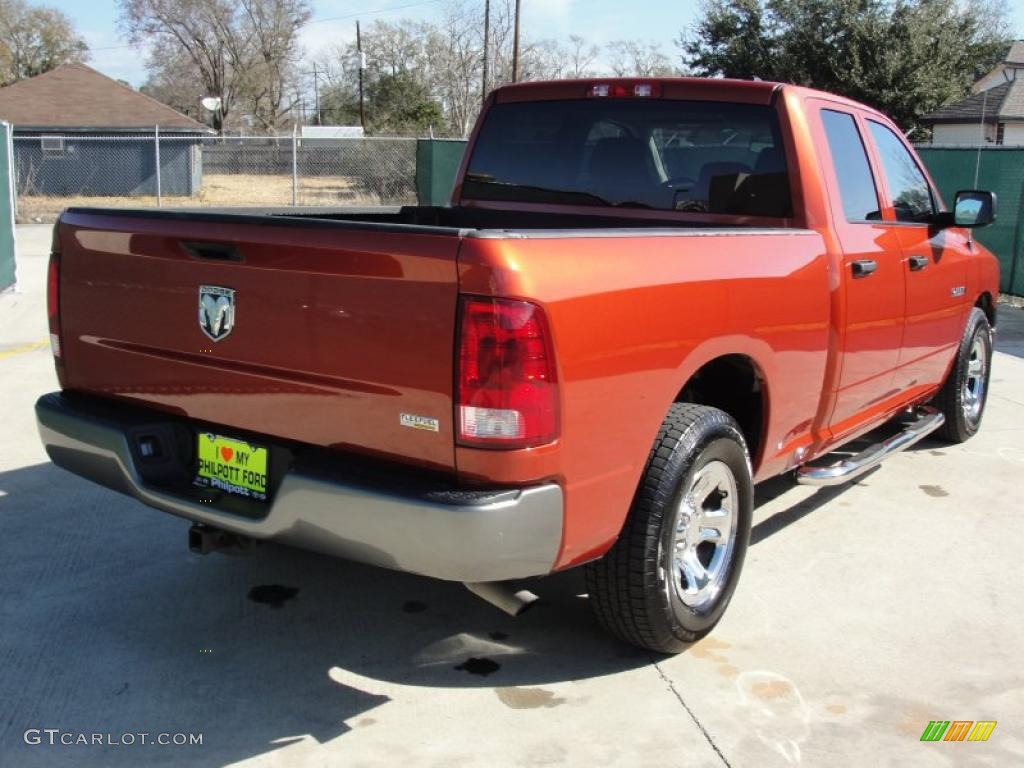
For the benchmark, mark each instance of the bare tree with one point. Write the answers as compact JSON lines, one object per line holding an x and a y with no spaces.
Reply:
{"x":446,"y":58}
{"x":396,"y":48}
{"x":34,"y":40}
{"x":457,"y":53}
{"x":582,"y":57}
{"x":243,"y":51}
{"x":639,"y":58}
{"x":273,"y":50}
{"x":173,"y":80}
{"x":542,"y":60}
{"x":993,"y":18}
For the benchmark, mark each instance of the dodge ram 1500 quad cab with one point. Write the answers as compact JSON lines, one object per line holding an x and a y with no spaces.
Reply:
{"x":645,"y":297}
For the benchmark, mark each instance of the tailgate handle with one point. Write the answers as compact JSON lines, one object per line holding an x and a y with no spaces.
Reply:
{"x":212,"y":251}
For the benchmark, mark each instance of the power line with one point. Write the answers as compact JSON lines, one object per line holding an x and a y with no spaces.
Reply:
{"x":372,"y":13}
{"x":314,"y":21}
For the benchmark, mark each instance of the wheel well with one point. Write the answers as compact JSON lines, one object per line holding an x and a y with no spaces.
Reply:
{"x":733,"y":384}
{"x":984,"y":303}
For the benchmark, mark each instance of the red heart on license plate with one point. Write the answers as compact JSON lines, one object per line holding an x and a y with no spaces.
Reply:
{"x":226,"y":452}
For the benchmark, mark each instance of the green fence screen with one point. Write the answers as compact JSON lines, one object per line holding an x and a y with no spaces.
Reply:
{"x":437,"y":163}
{"x":6,"y":208}
{"x":1000,"y":170}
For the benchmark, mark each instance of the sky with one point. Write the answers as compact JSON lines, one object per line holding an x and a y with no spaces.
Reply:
{"x":600,"y":21}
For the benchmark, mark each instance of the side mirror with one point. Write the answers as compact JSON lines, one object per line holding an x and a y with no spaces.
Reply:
{"x":973,"y":208}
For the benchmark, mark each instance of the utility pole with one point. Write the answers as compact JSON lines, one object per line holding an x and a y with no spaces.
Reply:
{"x":515,"y":47}
{"x":317,"y":119}
{"x":362,"y":66}
{"x":487,"y":45}
{"x":316,"y":92}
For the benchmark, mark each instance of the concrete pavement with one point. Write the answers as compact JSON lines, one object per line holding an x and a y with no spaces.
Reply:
{"x":863,"y":613}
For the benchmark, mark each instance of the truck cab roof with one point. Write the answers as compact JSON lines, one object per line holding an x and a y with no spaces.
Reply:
{"x":698,"y":88}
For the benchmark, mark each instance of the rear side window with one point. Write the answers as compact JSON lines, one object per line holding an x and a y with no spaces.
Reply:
{"x":853,"y":171}
{"x":911,"y":195}
{"x":667,"y":155}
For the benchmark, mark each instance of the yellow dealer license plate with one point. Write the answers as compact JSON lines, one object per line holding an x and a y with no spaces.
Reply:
{"x":232,"y":465}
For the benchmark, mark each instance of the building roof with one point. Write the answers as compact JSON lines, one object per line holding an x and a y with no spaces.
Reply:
{"x":74,"y":96}
{"x":1016,"y":54}
{"x":1003,"y":103}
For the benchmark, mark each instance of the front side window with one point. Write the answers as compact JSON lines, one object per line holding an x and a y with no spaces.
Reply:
{"x":666,"y":155}
{"x":911,"y":195}
{"x":852,"y":169}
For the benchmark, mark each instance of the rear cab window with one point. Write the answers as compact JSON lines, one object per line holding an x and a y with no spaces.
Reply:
{"x":665,"y":155}
{"x":852,"y":167}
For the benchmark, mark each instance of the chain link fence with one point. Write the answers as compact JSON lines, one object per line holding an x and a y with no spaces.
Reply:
{"x":55,"y":171}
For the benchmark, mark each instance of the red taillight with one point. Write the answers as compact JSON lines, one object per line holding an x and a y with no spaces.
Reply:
{"x":507,"y":387}
{"x":53,"y":302}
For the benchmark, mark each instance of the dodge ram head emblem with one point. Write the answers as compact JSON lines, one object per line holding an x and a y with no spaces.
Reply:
{"x":216,"y":311}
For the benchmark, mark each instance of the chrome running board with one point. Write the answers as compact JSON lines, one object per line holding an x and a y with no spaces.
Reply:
{"x":928,"y":420}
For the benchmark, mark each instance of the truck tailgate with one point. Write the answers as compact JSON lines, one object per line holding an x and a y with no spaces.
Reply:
{"x":338,"y":331}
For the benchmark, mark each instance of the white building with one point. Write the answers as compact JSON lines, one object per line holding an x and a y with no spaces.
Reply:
{"x":331,"y":132}
{"x":992,"y":114}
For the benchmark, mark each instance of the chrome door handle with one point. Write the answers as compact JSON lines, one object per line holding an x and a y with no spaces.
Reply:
{"x":918,"y":263}
{"x":863,"y":267}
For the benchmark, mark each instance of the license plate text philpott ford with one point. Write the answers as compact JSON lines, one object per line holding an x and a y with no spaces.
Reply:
{"x":232,"y":465}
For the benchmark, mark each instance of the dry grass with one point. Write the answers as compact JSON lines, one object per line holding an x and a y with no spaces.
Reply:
{"x":217,"y":190}
{"x":277,"y":190}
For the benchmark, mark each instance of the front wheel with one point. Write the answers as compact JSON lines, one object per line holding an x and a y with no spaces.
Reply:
{"x":964,"y":394}
{"x":668,"y":579}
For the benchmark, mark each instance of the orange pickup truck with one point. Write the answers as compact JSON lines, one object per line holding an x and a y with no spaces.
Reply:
{"x":645,"y":297}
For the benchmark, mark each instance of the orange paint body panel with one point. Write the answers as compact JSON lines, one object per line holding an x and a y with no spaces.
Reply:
{"x":346,"y":322}
{"x":631,"y":331}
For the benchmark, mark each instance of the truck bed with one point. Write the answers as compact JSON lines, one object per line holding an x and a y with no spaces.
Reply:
{"x":456,"y":221}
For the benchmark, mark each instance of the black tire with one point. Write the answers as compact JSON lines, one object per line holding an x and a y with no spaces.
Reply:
{"x":964,"y":394}
{"x":633,"y":588}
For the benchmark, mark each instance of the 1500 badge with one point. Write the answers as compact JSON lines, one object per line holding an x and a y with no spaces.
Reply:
{"x":419,"y":422}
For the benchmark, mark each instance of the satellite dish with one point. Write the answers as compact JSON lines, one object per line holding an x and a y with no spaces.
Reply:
{"x":212,"y":103}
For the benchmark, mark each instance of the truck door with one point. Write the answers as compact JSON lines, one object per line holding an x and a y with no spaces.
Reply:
{"x":872,"y":278}
{"x":935,"y":264}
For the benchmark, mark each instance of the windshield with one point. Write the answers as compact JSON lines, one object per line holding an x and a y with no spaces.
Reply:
{"x":696,"y":156}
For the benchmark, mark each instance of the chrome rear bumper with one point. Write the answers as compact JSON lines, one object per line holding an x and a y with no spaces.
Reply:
{"x":447,"y":533}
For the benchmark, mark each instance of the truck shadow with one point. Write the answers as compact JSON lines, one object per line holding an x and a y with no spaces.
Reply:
{"x":778,"y":521}
{"x":774,"y":488}
{"x":1010,"y":330}
{"x":110,"y":625}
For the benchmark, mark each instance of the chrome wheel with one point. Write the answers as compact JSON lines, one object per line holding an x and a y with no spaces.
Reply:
{"x":704,"y":537}
{"x":671,"y":573}
{"x":973,"y":395}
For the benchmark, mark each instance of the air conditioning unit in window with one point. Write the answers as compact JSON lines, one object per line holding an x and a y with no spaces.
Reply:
{"x":52,"y":145}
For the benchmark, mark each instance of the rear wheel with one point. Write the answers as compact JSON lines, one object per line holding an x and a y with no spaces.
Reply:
{"x":963,"y":396}
{"x":668,"y":579}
